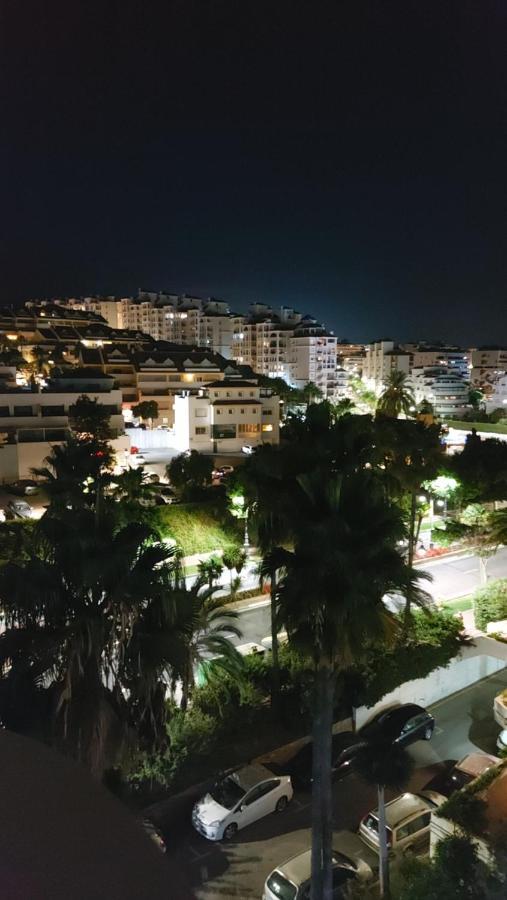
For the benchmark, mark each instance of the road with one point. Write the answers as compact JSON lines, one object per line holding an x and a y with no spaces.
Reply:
{"x":464,"y":722}
{"x":451,"y":578}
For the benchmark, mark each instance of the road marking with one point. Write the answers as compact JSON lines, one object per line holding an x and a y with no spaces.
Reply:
{"x":254,"y":605}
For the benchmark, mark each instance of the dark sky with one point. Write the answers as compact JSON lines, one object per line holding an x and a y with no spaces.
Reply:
{"x":348,"y":158}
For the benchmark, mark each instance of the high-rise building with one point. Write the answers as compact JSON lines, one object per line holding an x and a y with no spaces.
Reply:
{"x":382,"y":358}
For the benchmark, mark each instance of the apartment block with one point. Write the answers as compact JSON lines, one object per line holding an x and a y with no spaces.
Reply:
{"x":225,"y":415}
{"x":312,"y":357}
{"x":488,"y":365}
{"x":32,"y":421}
{"x":445,"y":389}
{"x":383,"y":357}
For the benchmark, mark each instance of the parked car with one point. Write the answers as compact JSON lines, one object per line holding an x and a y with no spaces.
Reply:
{"x":291,"y":880}
{"x":461,"y":774}
{"x":166,"y":491}
{"x":238,"y":799}
{"x":20,"y":509}
{"x":345,"y":746}
{"x":400,"y":724}
{"x":408,"y":823}
{"x":153,"y":832}
{"x":222,"y":471}
{"x":153,"y":500}
{"x":247,"y":449}
{"x":23,"y":488}
{"x":501,"y":742}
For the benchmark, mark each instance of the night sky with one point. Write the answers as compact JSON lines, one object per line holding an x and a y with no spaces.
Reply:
{"x":348,"y":158}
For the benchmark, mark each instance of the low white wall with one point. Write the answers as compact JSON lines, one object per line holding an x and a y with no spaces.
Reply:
{"x":470,"y":666}
{"x":151,"y":438}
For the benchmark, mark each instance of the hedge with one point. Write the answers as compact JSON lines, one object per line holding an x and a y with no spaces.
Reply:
{"x":490,"y":603}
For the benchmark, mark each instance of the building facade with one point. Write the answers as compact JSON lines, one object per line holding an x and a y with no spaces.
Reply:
{"x":445,"y":389}
{"x":488,"y":365}
{"x":381,"y":359}
{"x":312,"y":357}
{"x":226,"y":415}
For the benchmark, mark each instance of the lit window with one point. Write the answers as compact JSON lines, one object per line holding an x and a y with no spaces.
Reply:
{"x":267,"y":427}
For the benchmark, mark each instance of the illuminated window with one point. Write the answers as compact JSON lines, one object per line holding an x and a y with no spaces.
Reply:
{"x":267,"y":427}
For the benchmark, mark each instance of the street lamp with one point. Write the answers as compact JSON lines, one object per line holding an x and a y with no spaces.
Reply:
{"x":240,"y":510}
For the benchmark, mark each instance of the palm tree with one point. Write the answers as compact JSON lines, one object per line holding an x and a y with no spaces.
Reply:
{"x":210,"y":569}
{"x":310,"y":393}
{"x":70,"y":610}
{"x":397,"y":396}
{"x":344,"y":561}
{"x":234,"y":558}
{"x":39,"y":362}
{"x":385,"y":765}
{"x":180,"y":629}
{"x":70,"y":466}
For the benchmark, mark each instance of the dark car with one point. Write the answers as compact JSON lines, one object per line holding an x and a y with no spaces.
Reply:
{"x":345,"y":746}
{"x":400,"y":724}
{"x":461,"y":773}
{"x":23,"y":487}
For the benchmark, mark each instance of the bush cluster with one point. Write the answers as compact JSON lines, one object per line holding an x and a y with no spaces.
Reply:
{"x":490,"y":603}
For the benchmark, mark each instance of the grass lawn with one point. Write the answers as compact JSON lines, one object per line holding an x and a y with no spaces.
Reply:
{"x":458,"y":604}
{"x":195,"y":529}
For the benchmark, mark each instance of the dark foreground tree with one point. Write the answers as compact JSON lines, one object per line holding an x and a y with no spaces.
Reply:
{"x":344,"y":561}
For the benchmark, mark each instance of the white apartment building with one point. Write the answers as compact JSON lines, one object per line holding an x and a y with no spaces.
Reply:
{"x":497,"y":399}
{"x":342,"y":388}
{"x":446,"y":390}
{"x":382,"y":358}
{"x":264,"y":346}
{"x":488,"y":364}
{"x":31,"y":422}
{"x":351,"y":358}
{"x":312,"y":357}
{"x":225,"y":415}
{"x":452,"y":358}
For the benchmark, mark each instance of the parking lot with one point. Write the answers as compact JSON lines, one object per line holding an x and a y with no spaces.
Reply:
{"x":464,"y":722}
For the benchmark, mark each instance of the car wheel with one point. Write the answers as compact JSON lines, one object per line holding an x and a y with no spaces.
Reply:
{"x":428,"y":733}
{"x":281,"y":803}
{"x":230,"y":831}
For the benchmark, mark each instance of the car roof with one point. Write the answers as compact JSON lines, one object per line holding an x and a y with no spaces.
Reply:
{"x":476,"y":763}
{"x":299,"y":868}
{"x":251,"y":775}
{"x":404,"y":807}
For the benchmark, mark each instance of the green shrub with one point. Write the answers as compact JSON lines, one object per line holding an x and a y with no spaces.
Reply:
{"x":196,"y":528}
{"x":433,"y":642}
{"x":490,"y":603}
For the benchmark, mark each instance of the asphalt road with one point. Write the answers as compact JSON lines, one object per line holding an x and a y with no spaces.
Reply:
{"x":464,"y":722}
{"x":451,"y":578}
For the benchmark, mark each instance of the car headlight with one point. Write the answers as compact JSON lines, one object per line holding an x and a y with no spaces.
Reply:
{"x":214,"y":824}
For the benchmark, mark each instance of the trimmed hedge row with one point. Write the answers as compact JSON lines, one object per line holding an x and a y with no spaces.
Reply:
{"x":490,"y":603}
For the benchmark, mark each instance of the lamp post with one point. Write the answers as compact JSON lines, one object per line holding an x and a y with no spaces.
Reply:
{"x":240,"y":510}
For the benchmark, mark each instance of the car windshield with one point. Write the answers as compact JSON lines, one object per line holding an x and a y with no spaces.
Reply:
{"x":280,"y":887}
{"x":227,"y":792}
{"x":371,"y":823}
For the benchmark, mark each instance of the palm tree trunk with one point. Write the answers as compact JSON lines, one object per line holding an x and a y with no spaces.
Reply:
{"x":275,"y":687}
{"x":382,"y":838}
{"x":321,"y":790}
{"x":410,"y":560}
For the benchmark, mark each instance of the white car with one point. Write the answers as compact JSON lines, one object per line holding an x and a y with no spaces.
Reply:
{"x":248,"y":449}
{"x":501,"y":742}
{"x":239,"y":799}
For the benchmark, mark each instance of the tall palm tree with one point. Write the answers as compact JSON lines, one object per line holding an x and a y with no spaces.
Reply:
{"x":70,"y":611}
{"x":385,"y":765}
{"x":69,"y":466}
{"x":344,"y":561}
{"x":397,"y":396}
{"x":178,"y":630}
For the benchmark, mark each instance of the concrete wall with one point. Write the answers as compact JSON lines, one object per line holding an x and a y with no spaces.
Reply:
{"x":473,"y":663}
{"x":150,"y":439}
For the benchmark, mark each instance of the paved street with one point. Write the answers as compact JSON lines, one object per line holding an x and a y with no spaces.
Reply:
{"x":238,"y":869}
{"x":451,"y":578}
